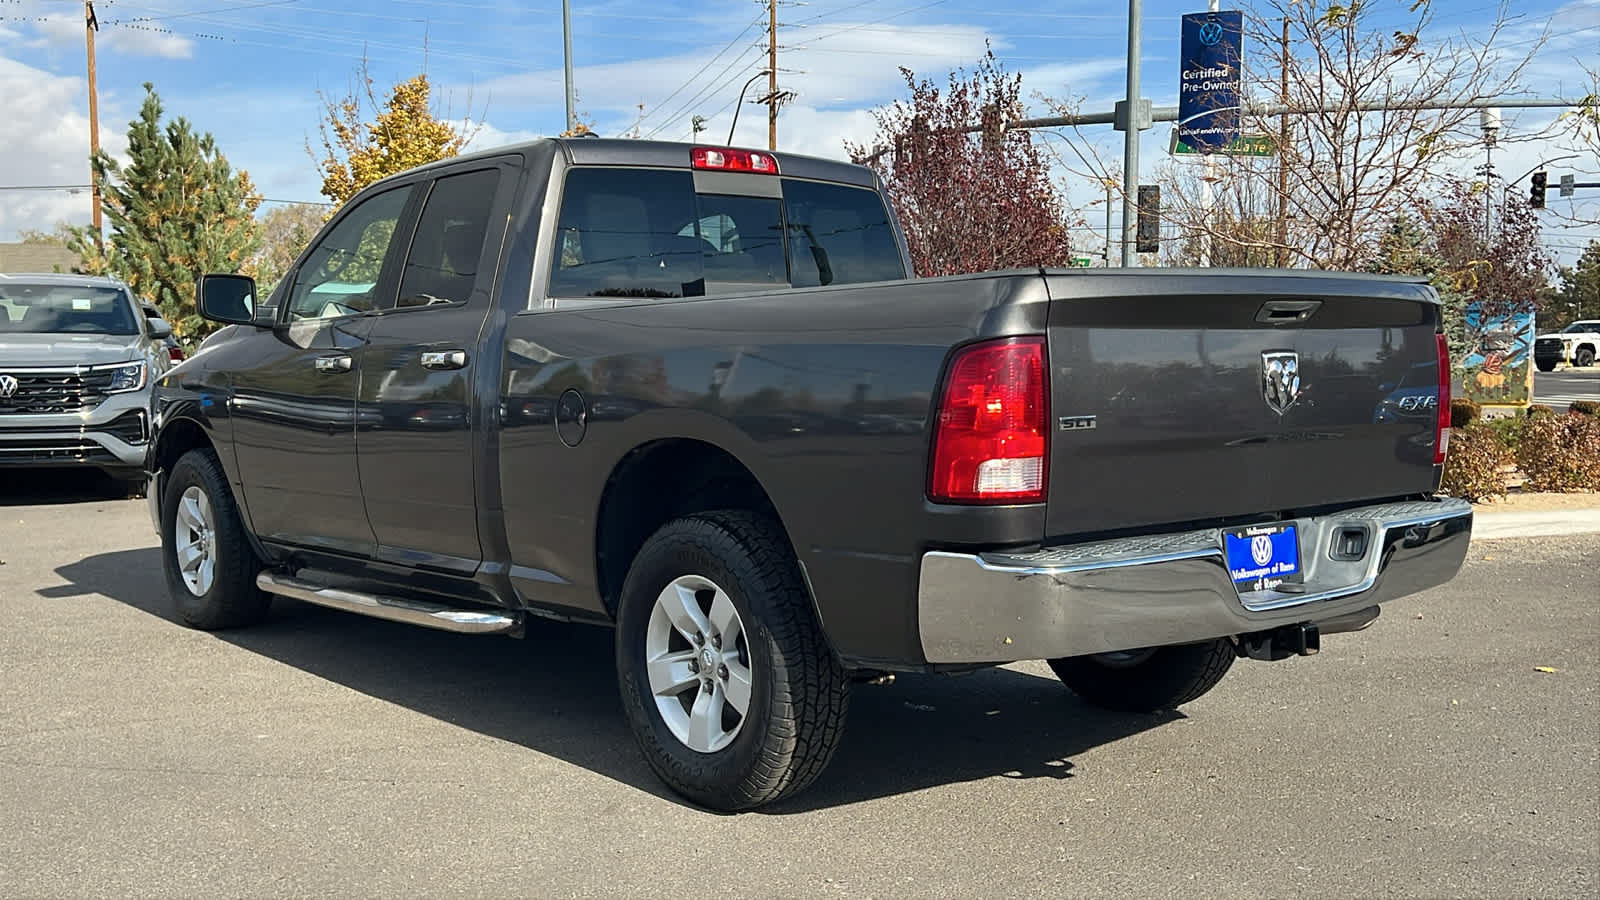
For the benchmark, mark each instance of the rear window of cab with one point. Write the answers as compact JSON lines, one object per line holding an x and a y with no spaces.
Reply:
{"x":648,"y":233}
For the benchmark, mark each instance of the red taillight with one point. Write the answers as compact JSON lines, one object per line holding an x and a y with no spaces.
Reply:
{"x":175,"y":354}
{"x":1441,"y":438}
{"x":991,"y":440}
{"x":733,"y":160}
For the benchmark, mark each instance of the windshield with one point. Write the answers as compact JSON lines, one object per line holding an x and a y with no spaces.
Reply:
{"x":1581,"y":327}
{"x":65,"y":309}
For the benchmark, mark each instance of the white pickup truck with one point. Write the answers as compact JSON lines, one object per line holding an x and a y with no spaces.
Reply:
{"x":1578,"y":344}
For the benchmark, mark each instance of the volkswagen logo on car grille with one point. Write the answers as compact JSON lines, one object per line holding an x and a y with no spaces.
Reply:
{"x":8,"y":386}
{"x":1280,"y":379}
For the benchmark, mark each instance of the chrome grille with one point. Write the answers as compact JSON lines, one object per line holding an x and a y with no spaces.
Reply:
{"x":55,"y":391}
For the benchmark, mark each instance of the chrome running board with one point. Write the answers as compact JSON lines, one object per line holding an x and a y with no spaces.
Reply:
{"x":411,"y":612}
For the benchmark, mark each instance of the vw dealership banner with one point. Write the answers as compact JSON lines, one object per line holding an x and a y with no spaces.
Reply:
{"x":1210,"y":80}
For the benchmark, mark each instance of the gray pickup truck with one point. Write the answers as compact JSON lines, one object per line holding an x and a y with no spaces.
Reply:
{"x":693,"y":393}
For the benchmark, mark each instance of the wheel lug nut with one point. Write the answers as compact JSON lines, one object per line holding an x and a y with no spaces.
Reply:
{"x":699,"y":638}
{"x":722,"y":672}
{"x":694,"y":665}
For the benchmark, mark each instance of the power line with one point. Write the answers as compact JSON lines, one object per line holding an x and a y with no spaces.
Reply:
{"x":709,"y":63}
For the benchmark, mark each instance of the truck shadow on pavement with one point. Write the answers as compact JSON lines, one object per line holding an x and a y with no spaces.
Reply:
{"x":555,"y":692}
{"x":42,"y":487}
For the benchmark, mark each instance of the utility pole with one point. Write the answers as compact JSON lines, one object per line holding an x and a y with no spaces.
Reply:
{"x":772,"y":74}
{"x":1281,"y":251}
{"x":90,"y":26}
{"x":566,"y":38}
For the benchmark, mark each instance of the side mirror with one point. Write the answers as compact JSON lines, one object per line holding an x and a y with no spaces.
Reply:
{"x":159,"y":329}
{"x":229,"y":299}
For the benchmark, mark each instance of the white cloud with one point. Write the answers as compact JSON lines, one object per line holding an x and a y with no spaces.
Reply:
{"x":47,"y":143}
{"x":487,"y":136}
{"x":56,"y":27}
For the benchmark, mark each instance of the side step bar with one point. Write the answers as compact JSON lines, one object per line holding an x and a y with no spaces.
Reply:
{"x":411,"y":612}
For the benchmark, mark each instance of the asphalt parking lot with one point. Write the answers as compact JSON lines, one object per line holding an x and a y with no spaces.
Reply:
{"x":327,"y":754}
{"x":1559,"y":388}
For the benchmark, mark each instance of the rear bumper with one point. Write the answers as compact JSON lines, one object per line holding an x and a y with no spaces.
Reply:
{"x":1173,"y":589}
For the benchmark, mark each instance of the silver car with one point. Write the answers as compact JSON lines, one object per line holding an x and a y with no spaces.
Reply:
{"x":78,"y":355}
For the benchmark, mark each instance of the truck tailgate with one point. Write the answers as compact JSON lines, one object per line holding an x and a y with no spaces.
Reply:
{"x":1175,"y":398}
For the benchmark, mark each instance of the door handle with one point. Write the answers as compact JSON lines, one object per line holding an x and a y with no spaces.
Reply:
{"x":333,"y":364}
{"x":444,"y":359}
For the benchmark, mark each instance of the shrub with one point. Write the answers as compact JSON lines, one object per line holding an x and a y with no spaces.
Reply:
{"x":1464,"y":412}
{"x":1561,"y":453}
{"x":1472,"y":468}
{"x":1509,"y":430}
{"x":1539,"y":410}
{"x":1585,"y":407}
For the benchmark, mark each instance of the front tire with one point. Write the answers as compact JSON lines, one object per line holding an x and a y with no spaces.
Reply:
{"x":727,"y":680}
{"x":1157,"y":678}
{"x":1584,"y":358}
{"x":210,"y":566}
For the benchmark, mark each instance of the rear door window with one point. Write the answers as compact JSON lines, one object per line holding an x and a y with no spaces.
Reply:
{"x":442,"y":264}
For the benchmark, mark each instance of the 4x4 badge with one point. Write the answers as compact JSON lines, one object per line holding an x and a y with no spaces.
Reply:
{"x":8,"y":386}
{"x":1280,"y":379}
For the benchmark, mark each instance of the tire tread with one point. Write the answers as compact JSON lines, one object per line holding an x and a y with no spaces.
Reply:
{"x":808,"y":708}
{"x":234,"y":601}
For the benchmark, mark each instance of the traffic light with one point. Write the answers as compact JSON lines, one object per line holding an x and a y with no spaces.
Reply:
{"x":1536,"y":195}
{"x":1147,"y":227}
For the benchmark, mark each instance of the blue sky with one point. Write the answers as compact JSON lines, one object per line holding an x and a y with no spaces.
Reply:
{"x":249,"y":71}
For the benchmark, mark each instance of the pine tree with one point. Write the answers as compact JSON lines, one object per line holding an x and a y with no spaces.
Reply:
{"x":176,"y":210}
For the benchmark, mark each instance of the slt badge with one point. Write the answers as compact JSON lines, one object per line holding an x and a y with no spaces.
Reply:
{"x":1280,"y":379}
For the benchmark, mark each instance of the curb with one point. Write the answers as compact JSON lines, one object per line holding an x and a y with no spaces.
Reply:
{"x":1494,"y":525}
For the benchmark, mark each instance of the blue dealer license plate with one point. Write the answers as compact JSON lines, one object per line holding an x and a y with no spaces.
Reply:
{"x":1263,"y":555}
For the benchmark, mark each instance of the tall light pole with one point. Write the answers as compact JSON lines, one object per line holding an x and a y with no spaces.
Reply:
{"x":566,"y":38}
{"x":1489,"y":119}
{"x":1130,"y":140}
{"x":740,"y":103}
{"x":1207,"y":192}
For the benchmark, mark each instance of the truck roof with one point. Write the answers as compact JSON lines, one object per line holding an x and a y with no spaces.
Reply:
{"x":591,"y":151}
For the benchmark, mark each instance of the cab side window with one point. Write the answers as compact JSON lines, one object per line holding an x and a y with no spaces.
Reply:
{"x":442,"y":264}
{"x":340,"y":275}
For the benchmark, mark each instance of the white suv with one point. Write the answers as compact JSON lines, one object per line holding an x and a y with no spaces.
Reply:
{"x":1578,"y":343}
{"x":77,"y":358}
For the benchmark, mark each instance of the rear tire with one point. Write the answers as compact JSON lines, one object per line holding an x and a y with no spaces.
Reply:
{"x":210,"y":566}
{"x":717,"y":598}
{"x":1147,"y":680}
{"x":1584,"y":358}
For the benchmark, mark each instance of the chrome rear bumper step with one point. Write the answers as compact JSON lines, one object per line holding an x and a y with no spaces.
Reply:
{"x":395,"y":609}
